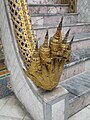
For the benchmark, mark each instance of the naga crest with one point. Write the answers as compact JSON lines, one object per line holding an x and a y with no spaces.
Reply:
{"x":44,"y":65}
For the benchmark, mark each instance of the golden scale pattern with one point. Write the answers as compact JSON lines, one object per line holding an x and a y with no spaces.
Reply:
{"x":23,"y":29}
{"x":44,"y":65}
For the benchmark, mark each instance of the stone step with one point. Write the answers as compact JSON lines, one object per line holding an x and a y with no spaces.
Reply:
{"x":54,"y":19}
{"x":76,"y":28}
{"x":48,"y":8}
{"x":81,"y":41}
{"x":45,"y":2}
{"x":79,"y":63}
{"x":79,"y":92}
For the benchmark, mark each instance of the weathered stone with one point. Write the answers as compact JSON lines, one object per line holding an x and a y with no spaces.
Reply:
{"x":79,"y":91}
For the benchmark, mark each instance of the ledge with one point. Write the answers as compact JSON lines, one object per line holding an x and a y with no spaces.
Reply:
{"x":40,"y":27}
{"x":48,"y":5}
{"x":56,"y":14}
{"x":79,"y":56}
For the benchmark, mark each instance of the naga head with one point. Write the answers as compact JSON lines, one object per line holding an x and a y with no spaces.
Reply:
{"x":49,"y":60}
{"x":44,"y":65}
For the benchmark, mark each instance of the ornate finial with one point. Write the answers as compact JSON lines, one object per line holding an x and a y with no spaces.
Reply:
{"x":45,"y":44}
{"x":59,"y":28}
{"x":66,"y":37}
{"x":36,"y":44}
{"x":60,"y":34}
{"x":71,"y":40}
{"x":60,"y":24}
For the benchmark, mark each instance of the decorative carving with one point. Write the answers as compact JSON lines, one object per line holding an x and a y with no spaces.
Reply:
{"x":73,"y":6}
{"x":44,"y":65}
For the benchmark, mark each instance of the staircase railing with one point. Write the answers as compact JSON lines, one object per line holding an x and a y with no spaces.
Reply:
{"x":72,"y":5}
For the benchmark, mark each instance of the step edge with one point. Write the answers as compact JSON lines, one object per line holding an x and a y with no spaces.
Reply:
{"x":76,"y":62}
{"x":53,"y":14}
{"x":88,"y":92}
{"x":77,"y":97}
{"x":47,"y":5}
{"x":40,"y":27}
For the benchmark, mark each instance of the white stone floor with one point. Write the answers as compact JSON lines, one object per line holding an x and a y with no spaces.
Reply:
{"x":11,"y":109}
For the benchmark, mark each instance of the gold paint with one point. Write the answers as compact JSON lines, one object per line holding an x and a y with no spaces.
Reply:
{"x":72,"y":5}
{"x":45,"y":64}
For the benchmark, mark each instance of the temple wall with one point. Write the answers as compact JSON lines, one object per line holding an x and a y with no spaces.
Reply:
{"x":83,"y":8}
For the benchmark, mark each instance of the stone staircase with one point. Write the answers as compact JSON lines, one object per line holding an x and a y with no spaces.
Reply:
{"x":76,"y":77}
{"x":79,"y":92}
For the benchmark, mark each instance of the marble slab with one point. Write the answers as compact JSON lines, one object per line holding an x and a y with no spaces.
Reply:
{"x":82,"y":115}
{"x":53,"y":18}
{"x":79,"y":28}
{"x":79,"y":92}
{"x":47,"y":8}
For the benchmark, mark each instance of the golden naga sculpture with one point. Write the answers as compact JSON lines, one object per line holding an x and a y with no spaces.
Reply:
{"x":44,"y":65}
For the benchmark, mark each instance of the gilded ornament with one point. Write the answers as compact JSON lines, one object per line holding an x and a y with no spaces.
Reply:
{"x":44,"y":65}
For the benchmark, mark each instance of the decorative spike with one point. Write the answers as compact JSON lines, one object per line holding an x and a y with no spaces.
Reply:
{"x":46,"y":40}
{"x":58,"y":31}
{"x":60,"y":24}
{"x":36,"y":44}
{"x":66,"y":37}
{"x":71,"y":40}
{"x":46,"y":36}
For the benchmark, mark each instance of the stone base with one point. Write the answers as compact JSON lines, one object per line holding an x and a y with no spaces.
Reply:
{"x":54,"y":103}
{"x":79,"y":92}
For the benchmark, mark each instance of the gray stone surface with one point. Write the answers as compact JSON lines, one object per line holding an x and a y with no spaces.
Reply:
{"x":48,"y":8}
{"x":76,"y":28}
{"x":44,"y":1}
{"x":79,"y":56}
{"x":79,"y":92}
{"x":53,"y":19}
{"x":83,"y":7}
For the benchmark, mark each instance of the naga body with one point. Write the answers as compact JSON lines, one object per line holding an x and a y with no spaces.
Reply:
{"x":44,"y":65}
